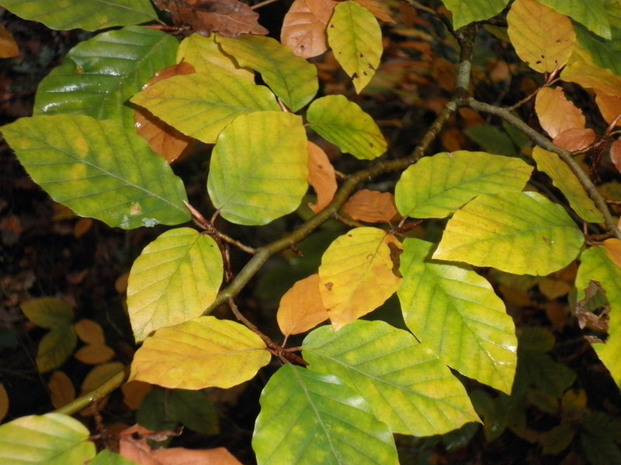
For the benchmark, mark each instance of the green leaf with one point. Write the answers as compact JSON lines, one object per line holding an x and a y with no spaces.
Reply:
{"x":347,"y":126}
{"x":516,"y":232}
{"x":99,"y":76}
{"x":56,"y":347}
{"x":492,"y":139}
{"x":593,"y":14}
{"x":205,"y":55}
{"x":202,"y":105}
{"x":596,"y":265}
{"x":567,"y":182}
{"x":405,"y":383}
{"x":107,"y":457}
{"x":292,"y":78}
{"x":466,"y":12}
{"x":90,"y":15}
{"x":437,"y":186}
{"x":48,"y":312}
{"x":259,"y":168}
{"x":162,"y":288}
{"x":604,"y":53}
{"x":598,"y":439}
{"x":98,"y":169}
{"x":200,"y":353}
{"x":439,"y":299}
{"x":51,"y":439}
{"x":356,"y":40}
{"x":308,"y":418}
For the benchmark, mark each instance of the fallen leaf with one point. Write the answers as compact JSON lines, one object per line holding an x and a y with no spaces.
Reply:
{"x":8,"y":46}
{"x":556,"y":113}
{"x":575,"y":139}
{"x":321,"y":177}
{"x":615,"y":154}
{"x":371,"y":206}
{"x":230,"y":18}
{"x":301,"y":307}
{"x":304,"y":28}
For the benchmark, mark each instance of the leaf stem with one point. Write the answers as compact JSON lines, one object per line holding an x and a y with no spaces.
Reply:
{"x":95,"y":395}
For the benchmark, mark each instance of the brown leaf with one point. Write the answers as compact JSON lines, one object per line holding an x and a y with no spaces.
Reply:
{"x":615,"y":154}
{"x":556,"y":113}
{"x":593,"y":312}
{"x":321,"y":177}
{"x":304,"y":28}
{"x":371,"y":206}
{"x":301,"y":307}
{"x":61,"y":389}
{"x":134,"y":393}
{"x":229,"y":18}
{"x":575,"y":139}
{"x":163,"y":138}
{"x":609,"y":106}
{"x":8,"y":46}
{"x":4,"y":402}
{"x":379,"y":10}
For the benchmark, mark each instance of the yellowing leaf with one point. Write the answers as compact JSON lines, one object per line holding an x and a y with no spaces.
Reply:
{"x":94,"y":354}
{"x":259,"y":168}
{"x":371,"y":206}
{"x":61,"y":389}
{"x":56,"y":347}
{"x":99,"y":375}
{"x":204,"y":352}
{"x":356,"y":40}
{"x":543,"y":38}
{"x":613,"y":248}
{"x":517,"y":232}
{"x":440,"y":299}
{"x":204,"y":54}
{"x":358,"y":273}
{"x":556,"y":113}
{"x":162,"y":288}
{"x":575,"y":139}
{"x":8,"y":46}
{"x":347,"y":126}
{"x":48,"y":312}
{"x":89,"y":331}
{"x":582,"y":70}
{"x":304,"y":27}
{"x":609,"y":106}
{"x":593,"y":14}
{"x":321,"y":177}
{"x":301,"y":307}
{"x":565,"y":180}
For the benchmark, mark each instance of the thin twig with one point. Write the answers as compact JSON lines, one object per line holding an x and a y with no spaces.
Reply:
{"x":263,"y":3}
{"x":95,"y":395}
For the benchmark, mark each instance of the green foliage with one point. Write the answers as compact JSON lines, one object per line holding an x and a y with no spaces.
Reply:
{"x":342,"y":396}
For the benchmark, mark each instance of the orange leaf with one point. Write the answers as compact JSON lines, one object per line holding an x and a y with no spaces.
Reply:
{"x":94,"y":354}
{"x":89,"y":332}
{"x":615,"y":155}
{"x":379,"y":10}
{"x":61,"y":389}
{"x":4,"y":402}
{"x":301,"y":307}
{"x":556,"y":113}
{"x":163,"y":138}
{"x":371,"y":206}
{"x":609,"y":106}
{"x":304,"y":27}
{"x":134,"y":393}
{"x":8,"y":46}
{"x":321,"y":177}
{"x":575,"y":139}
{"x":613,"y":248}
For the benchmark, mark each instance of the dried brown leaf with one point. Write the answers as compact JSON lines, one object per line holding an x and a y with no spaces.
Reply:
{"x":615,"y":154}
{"x":575,"y":139}
{"x":8,"y":46}
{"x":304,"y":29}
{"x":4,"y":402}
{"x":556,"y":113}
{"x":61,"y":389}
{"x":371,"y":206}
{"x":321,"y":177}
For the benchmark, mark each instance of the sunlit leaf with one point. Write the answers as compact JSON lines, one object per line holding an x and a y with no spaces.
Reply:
{"x":437,"y":186}
{"x":202,"y":105}
{"x":99,"y":75}
{"x":48,"y":312}
{"x":582,"y":70}
{"x":542,"y":37}
{"x":371,"y":206}
{"x":557,"y":114}
{"x":326,"y":422}
{"x":162,"y":288}
{"x":517,"y":232}
{"x":51,"y":439}
{"x":593,"y":14}
{"x":259,"y":168}
{"x":99,"y":169}
{"x":466,"y":12}
{"x":405,"y":383}
{"x":567,"y":182}
{"x":347,"y":126}
{"x":613,"y":247}
{"x":439,"y":299}
{"x":304,"y":27}
{"x":597,"y":265}
{"x":200,"y":353}
{"x":321,"y":177}
{"x":204,"y":54}
{"x":356,"y":40}
{"x":90,"y":16}
{"x":292,"y":78}
{"x":358,"y":273}
{"x":301,"y":308}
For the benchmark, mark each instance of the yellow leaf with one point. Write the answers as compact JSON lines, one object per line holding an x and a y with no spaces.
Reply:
{"x":321,"y":177}
{"x":543,"y":38}
{"x":358,"y":272}
{"x":557,"y":114}
{"x":582,"y":70}
{"x":371,"y":206}
{"x":301,"y":307}
{"x":61,"y":389}
{"x":4,"y":402}
{"x":204,"y":54}
{"x":94,"y":354}
{"x":613,"y":249}
{"x":200,"y":353}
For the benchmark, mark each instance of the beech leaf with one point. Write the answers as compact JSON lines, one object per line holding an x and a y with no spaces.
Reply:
{"x":380,"y":10}
{"x":593,"y":14}
{"x":613,"y":247}
{"x":228,"y":17}
{"x":495,"y":230}
{"x":358,"y":272}
{"x":301,"y":308}
{"x":61,"y":389}
{"x":557,"y":114}
{"x":466,"y":12}
{"x":582,"y":70}
{"x":200,"y":353}
{"x":48,"y":312}
{"x":205,"y":55}
{"x":304,"y":27}
{"x":405,"y":383}
{"x":575,"y":139}
{"x":609,"y":106}
{"x":321,"y":177}
{"x":615,"y":154}
{"x":371,"y":206}
{"x":8,"y":46}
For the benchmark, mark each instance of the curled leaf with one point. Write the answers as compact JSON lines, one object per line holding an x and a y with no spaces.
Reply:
{"x":321,"y":177}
